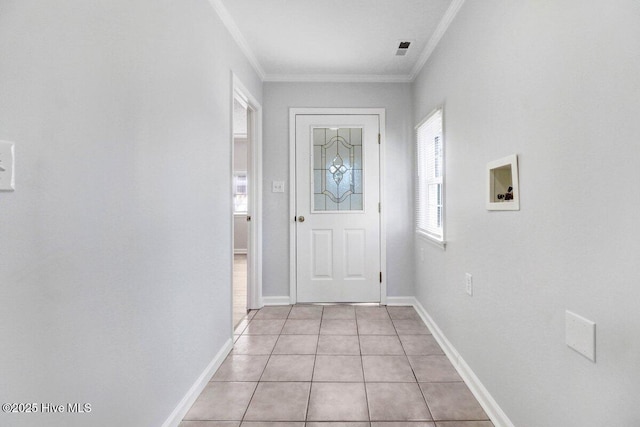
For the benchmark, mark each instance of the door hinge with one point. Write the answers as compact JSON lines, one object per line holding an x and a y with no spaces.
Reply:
{"x":379,"y":138}
{"x":379,"y":207}
{"x":381,"y":277}
{"x":295,"y":219}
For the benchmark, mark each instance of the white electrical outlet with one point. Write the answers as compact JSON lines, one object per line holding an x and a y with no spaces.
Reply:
{"x":468,"y":280}
{"x":7,"y":174}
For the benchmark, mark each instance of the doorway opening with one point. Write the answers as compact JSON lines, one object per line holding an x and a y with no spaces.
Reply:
{"x":246,"y":155}
{"x":241,"y":217}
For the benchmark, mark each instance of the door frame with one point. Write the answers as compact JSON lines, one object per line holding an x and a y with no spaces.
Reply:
{"x":254,"y":179}
{"x":293,"y":264}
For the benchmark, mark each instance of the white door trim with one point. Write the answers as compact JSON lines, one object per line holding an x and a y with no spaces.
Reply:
{"x":293,"y":112}
{"x":254,"y":246}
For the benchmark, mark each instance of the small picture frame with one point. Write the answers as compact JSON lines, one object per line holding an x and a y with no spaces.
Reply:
{"x":503,"y":189}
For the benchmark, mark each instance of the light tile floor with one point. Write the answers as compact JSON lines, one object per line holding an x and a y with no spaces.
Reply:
{"x":335,"y":366}
{"x":239,"y":287}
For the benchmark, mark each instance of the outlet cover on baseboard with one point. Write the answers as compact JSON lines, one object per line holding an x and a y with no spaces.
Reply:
{"x":580,"y":335}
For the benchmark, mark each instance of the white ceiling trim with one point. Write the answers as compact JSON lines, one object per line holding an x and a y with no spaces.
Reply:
{"x":442,"y":27}
{"x":232,"y":27}
{"x":437,"y":35}
{"x":338,"y":78}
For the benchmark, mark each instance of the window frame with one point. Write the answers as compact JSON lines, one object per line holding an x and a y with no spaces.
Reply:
{"x":237,"y":177}
{"x":424,"y":163}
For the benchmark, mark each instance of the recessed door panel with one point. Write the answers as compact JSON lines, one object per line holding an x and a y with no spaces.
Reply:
{"x":322,"y":254}
{"x":354,"y":253}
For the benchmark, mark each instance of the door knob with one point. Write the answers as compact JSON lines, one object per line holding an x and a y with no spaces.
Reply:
{"x":300,"y":219}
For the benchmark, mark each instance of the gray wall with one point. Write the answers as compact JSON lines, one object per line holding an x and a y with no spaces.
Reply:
{"x":115,"y":248}
{"x":556,"y":83}
{"x":396,"y":98}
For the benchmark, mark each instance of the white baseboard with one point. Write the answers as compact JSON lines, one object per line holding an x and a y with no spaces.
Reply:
{"x":488,"y":403}
{"x":411,"y":301}
{"x":283,"y":300}
{"x":185,"y":404}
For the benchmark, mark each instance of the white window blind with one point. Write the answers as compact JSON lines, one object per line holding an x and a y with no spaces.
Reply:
{"x":429,"y":185}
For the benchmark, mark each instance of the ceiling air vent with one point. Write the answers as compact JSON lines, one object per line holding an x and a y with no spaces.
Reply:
{"x":403,"y":47}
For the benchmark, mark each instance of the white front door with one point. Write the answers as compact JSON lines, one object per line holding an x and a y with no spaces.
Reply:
{"x":337,"y":208}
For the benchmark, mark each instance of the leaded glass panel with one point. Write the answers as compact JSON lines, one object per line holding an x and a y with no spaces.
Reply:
{"x":337,"y":169}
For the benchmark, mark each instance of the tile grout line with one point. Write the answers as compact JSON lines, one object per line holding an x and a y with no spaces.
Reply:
{"x":364,"y":380}
{"x":315,"y":358}
{"x":244,"y":414}
{"x":358,"y":336}
{"x":413,"y":371}
{"x":263,"y":370}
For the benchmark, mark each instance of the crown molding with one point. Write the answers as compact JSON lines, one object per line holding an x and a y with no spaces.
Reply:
{"x":338,"y":78}
{"x":232,"y":27}
{"x":437,"y":35}
{"x":442,"y":27}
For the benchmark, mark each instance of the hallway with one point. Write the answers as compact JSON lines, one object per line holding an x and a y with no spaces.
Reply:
{"x":335,"y":363}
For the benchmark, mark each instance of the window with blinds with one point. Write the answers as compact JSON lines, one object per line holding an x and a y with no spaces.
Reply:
{"x":430,"y":172}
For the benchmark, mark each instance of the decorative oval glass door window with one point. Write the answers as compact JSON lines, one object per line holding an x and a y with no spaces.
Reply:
{"x":337,"y":169}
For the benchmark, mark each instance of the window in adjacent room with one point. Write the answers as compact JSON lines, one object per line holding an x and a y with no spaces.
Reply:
{"x":240,"y":192}
{"x":430,"y":174}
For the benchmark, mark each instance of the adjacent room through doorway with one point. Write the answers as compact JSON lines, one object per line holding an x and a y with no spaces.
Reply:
{"x":241,"y":216}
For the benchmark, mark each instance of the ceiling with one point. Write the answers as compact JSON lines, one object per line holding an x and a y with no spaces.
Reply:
{"x":336,"y":40}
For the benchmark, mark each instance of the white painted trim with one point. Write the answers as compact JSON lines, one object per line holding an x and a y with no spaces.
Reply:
{"x":337,"y":111}
{"x":442,"y":244}
{"x":293,"y":112}
{"x":293,"y":292}
{"x":382,"y":117}
{"x":233,"y":29}
{"x":231,"y":191}
{"x":283,"y":300}
{"x":401,"y":301}
{"x":254,"y":252}
{"x":239,"y":251}
{"x":488,"y":403}
{"x":437,"y":35}
{"x":183,"y":407}
{"x":339,"y":78}
{"x":255,"y":235}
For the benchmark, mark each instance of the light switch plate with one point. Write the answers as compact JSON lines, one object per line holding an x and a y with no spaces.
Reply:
{"x":277,"y":187}
{"x":7,"y":174}
{"x":580,"y":335}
